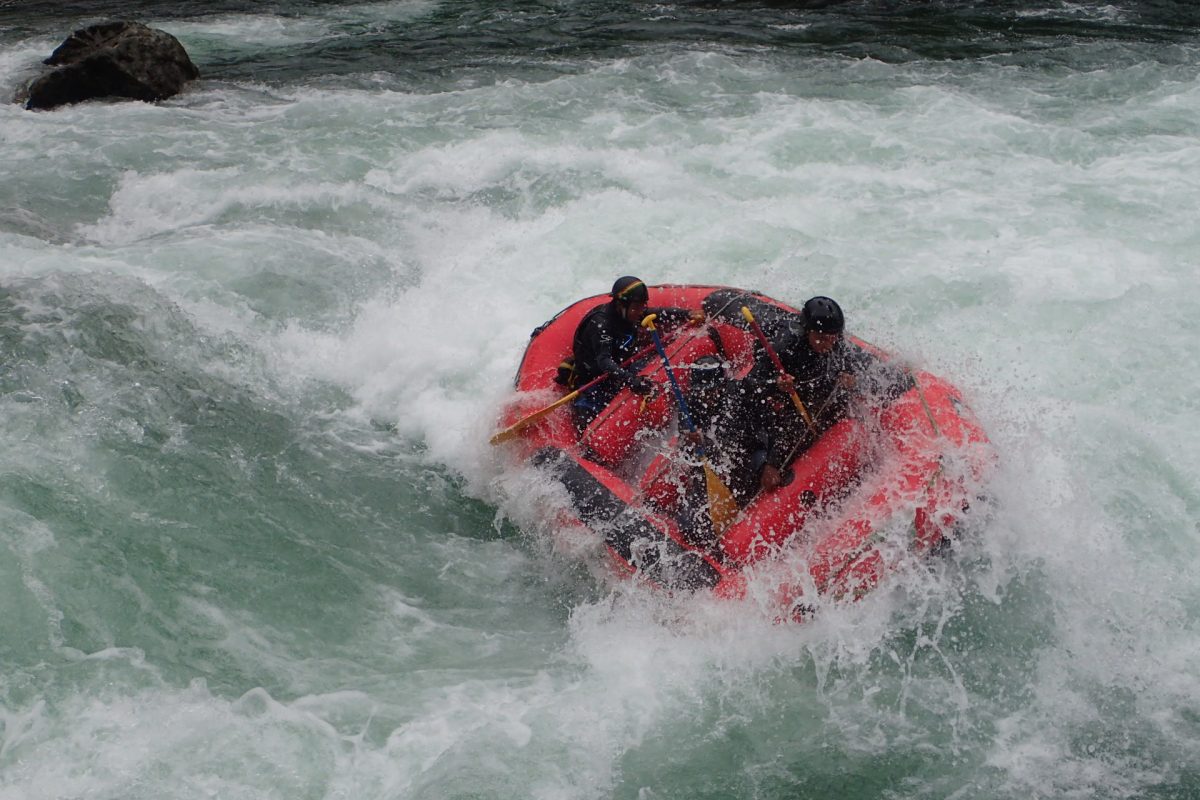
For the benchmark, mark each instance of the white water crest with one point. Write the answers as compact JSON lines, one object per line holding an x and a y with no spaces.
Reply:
{"x":255,"y":338}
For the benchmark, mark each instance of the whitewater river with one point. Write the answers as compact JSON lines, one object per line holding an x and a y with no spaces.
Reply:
{"x":254,"y":544}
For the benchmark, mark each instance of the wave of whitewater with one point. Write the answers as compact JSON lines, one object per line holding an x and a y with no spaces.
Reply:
{"x":253,"y":542}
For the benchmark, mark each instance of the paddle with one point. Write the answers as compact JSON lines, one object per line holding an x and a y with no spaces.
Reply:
{"x":722,"y":508}
{"x":762,"y":338}
{"x":512,"y":430}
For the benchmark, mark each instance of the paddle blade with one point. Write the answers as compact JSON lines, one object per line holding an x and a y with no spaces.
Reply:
{"x":722,"y":508}
{"x":512,"y":430}
{"x":505,"y":435}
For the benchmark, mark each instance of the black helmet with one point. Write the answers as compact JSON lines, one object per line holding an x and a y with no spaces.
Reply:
{"x":630,"y":290}
{"x":706,"y":371}
{"x":823,"y":316}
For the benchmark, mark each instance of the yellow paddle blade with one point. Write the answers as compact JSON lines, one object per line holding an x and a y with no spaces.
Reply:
{"x":505,"y":435}
{"x":722,"y":508}
{"x":512,"y":430}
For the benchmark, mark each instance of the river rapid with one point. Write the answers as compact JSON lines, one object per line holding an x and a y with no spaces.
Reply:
{"x":253,"y":339}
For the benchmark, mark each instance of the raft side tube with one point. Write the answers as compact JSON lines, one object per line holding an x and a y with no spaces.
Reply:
{"x":820,"y":474}
{"x":644,"y":542}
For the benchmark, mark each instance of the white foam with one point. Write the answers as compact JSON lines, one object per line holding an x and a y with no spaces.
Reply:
{"x":1026,"y":234}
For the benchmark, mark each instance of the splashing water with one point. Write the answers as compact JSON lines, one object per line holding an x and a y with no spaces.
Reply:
{"x":253,"y":340}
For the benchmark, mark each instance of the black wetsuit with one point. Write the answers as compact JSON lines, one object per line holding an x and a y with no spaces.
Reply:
{"x":817,"y":380}
{"x":603,"y":341}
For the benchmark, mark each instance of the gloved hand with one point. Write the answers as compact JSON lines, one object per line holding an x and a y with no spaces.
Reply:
{"x":771,"y":478}
{"x":696,"y":317}
{"x":640,"y":385}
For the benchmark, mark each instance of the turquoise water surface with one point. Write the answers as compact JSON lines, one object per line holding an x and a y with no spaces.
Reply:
{"x":253,"y":339}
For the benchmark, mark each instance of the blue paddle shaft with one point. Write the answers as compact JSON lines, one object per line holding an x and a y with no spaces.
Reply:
{"x":683,"y":409}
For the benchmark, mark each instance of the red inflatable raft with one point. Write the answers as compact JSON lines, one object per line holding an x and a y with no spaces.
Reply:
{"x":920,"y":459}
